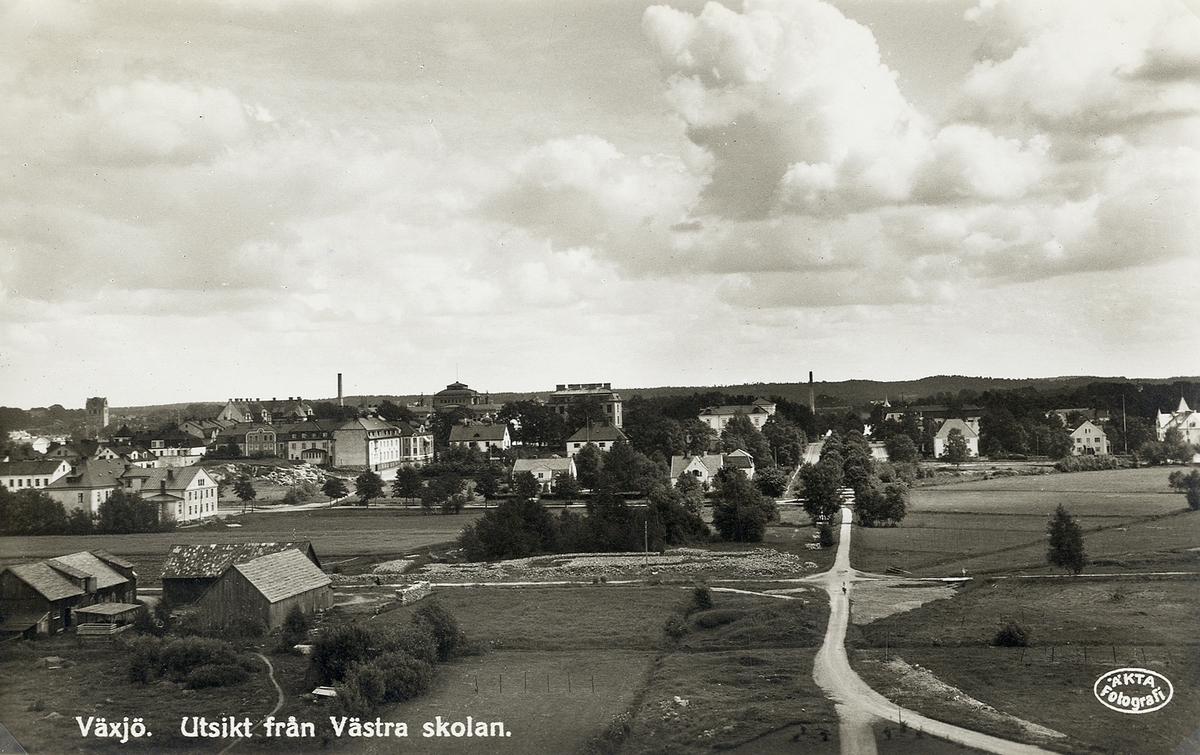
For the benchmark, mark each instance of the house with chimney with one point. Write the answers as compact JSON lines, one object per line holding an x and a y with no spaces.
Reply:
{"x":704,"y":467}
{"x":190,"y":570}
{"x":90,"y":483}
{"x":603,"y":437}
{"x":485,"y":438}
{"x":717,"y":417}
{"x":19,"y":475}
{"x":182,"y":494}
{"x":45,"y":597}
{"x":1183,"y":419}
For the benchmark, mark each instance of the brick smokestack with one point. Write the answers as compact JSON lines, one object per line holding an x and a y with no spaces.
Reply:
{"x":340,"y":390}
{"x":812,"y":395}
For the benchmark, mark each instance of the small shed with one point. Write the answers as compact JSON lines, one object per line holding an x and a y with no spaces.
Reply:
{"x":266,"y":589}
{"x":105,"y":619}
{"x":191,"y":569}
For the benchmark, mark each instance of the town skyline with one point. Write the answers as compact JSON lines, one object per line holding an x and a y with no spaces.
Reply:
{"x":240,"y":197}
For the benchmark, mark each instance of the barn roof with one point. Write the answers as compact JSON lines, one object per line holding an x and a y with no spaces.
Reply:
{"x":48,"y":583}
{"x":212,"y":559}
{"x":91,"y":566}
{"x":281,"y":575}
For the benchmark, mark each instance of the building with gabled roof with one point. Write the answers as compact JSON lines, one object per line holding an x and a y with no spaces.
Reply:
{"x":486,"y":438}
{"x":1183,"y":419}
{"x":545,"y":470}
{"x":191,"y":569}
{"x":603,"y":437}
{"x":1089,"y":439}
{"x":566,"y":394}
{"x":704,"y":467}
{"x":183,"y":494}
{"x":19,"y":475}
{"x":969,"y":434}
{"x":89,"y":484}
{"x":97,"y":415}
{"x":265,"y":589}
{"x":717,"y":417}
{"x":38,"y":598}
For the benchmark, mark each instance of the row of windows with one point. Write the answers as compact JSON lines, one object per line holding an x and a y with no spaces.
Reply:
{"x":28,"y":482}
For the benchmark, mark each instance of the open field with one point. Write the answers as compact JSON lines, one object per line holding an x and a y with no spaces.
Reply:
{"x":335,"y":533}
{"x":1130,"y":521}
{"x":1079,"y":629}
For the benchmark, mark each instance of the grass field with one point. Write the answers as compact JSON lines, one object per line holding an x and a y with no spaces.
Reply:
{"x":1079,"y":629}
{"x":335,"y":533}
{"x":1130,"y":519}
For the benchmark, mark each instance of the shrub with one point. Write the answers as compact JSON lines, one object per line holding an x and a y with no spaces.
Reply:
{"x":826,"y":536}
{"x":675,"y":626}
{"x":1012,"y":635}
{"x":183,"y":655}
{"x":444,"y":627}
{"x":701,"y":598}
{"x":717,"y":617}
{"x":145,"y":662}
{"x":415,"y":639}
{"x":337,"y":650}
{"x":145,"y":623}
{"x":404,"y":677}
{"x":246,"y":626}
{"x":1090,"y":463}
{"x":215,"y":675}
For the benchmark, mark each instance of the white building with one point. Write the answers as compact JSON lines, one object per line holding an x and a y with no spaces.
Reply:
{"x":943,"y":436}
{"x":545,"y":470}
{"x":603,"y":438}
{"x":18,"y":475}
{"x":1089,"y":439}
{"x":1183,"y":419}
{"x":717,"y":417}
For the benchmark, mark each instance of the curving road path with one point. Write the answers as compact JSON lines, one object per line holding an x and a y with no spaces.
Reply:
{"x":858,"y":705}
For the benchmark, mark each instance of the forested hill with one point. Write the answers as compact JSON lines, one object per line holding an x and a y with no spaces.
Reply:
{"x":863,"y":392}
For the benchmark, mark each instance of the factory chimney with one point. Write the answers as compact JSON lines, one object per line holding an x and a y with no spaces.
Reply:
{"x":812,"y":396}
{"x":340,"y":402}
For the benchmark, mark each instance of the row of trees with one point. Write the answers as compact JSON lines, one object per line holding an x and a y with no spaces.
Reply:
{"x":33,"y":512}
{"x":847,"y":463}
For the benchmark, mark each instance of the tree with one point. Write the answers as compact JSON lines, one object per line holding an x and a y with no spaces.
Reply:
{"x":487,"y":482}
{"x":692,"y":491}
{"x":901,"y":449}
{"x":368,"y":485}
{"x":566,"y":486}
{"x":1189,"y":485}
{"x":787,"y":441}
{"x":956,"y":450}
{"x":244,"y":490}
{"x":394,"y":412}
{"x":740,"y":511}
{"x":589,"y":464}
{"x":407,"y":484}
{"x":30,"y":512}
{"x":771,"y":481}
{"x":740,"y":433}
{"x":526,"y":486}
{"x":627,"y":470}
{"x":514,"y":529}
{"x":126,"y":513}
{"x":680,"y":523}
{"x":334,"y":487}
{"x":822,"y":487}
{"x":1066,"y":542}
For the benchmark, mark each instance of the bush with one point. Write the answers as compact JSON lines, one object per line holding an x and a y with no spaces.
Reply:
{"x":415,"y":639}
{"x":183,"y":655}
{"x":246,"y":626}
{"x":1091,"y":463}
{"x":701,"y":598}
{"x":1012,"y":635}
{"x":675,"y":626}
{"x":717,"y":617}
{"x":144,"y":658}
{"x":826,"y":536}
{"x":404,"y":677}
{"x":337,"y":650}
{"x":444,"y":627}
{"x":215,"y":675}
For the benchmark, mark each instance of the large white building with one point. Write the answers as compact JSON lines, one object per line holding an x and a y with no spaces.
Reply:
{"x":567,"y":394}
{"x":1183,"y":419}
{"x":943,"y":436}
{"x":1088,"y":439}
{"x":717,"y":417}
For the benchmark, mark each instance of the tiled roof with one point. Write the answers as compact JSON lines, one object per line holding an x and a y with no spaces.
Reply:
{"x":211,"y":560}
{"x":48,"y":583}
{"x":176,"y":478}
{"x":550,"y":465}
{"x":595,"y":434}
{"x":956,"y":424}
{"x":733,"y":409}
{"x":29,"y":467}
{"x":711,"y":462}
{"x":371,"y":424}
{"x":88,"y":563}
{"x":281,"y":575}
{"x":109,"y":558}
{"x":460,"y":433}
{"x":91,"y":473}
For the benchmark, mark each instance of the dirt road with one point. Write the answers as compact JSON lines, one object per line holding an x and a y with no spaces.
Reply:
{"x":857,"y":704}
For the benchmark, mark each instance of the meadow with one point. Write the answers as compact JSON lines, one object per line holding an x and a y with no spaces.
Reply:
{"x":1130,"y":518}
{"x":1115,"y":614}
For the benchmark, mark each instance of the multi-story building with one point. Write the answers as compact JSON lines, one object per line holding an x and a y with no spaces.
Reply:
{"x":367,"y":443}
{"x":1089,"y":439}
{"x":603,"y":438}
{"x":184,"y":494}
{"x":89,"y":484}
{"x":97,"y":415}
{"x":567,"y":394}
{"x":969,"y":433}
{"x":485,"y":438}
{"x":1183,"y":419}
{"x":310,"y":440}
{"x":19,"y":475}
{"x":717,"y":417}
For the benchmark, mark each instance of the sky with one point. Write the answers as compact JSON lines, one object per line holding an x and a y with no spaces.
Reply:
{"x":205,"y":199}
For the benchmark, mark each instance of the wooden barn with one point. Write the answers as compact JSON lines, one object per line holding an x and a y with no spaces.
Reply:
{"x":41,"y":598}
{"x":191,"y":569}
{"x":266,"y":589}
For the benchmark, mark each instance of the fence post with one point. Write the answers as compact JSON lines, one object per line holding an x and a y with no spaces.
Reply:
{"x":502,"y":684}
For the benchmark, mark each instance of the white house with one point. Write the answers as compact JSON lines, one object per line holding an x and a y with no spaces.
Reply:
{"x":485,"y":438}
{"x":604,"y":438}
{"x":943,"y":436}
{"x":18,"y":475}
{"x":704,"y":467}
{"x":1088,"y":439}
{"x":1183,"y":419}
{"x":88,"y":485}
{"x":545,"y":470}
{"x":717,"y":417}
{"x":183,"y":494}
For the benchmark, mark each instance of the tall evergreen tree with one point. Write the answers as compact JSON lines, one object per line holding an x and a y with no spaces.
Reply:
{"x":1066,"y":542}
